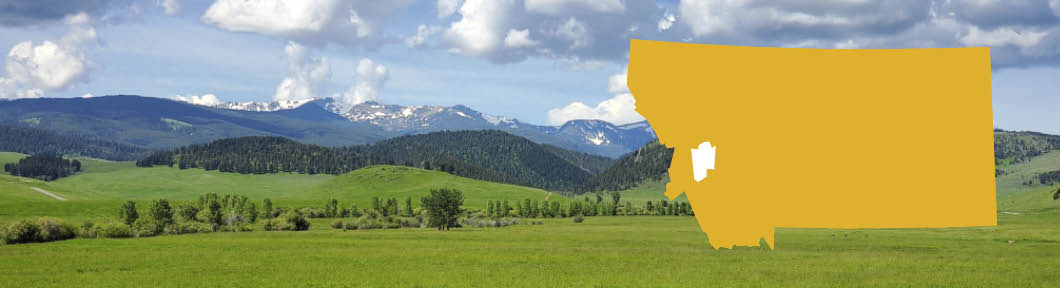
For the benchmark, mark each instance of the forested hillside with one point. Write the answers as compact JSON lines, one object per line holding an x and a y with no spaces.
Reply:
{"x":36,"y":141}
{"x":521,"y":161}
{"x":485,"y":155}
{"x":262,"y":154}
{"x":650,"y":162}
{"x":1015,"y":147}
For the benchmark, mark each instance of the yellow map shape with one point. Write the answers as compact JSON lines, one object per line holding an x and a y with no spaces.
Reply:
{"x":822,"y":138}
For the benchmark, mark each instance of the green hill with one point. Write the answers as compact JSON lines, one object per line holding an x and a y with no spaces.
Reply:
{"x":98,"y":191}
{"x":400,"y":182}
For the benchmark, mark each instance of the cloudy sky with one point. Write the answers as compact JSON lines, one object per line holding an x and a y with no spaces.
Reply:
{"x":542,"y":61}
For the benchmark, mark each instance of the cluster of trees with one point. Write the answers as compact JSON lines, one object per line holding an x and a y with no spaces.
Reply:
{"x":1048,"y":178}
{"x":650,"y":162}
{"x":262,"y":154}
{"x":27,"y":140}
{"x":528,"y":208}
{"x":46,"y":167}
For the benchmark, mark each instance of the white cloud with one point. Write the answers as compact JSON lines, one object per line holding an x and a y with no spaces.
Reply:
{"x":349,"y":23}
{"x":556,"y":7}
{"x":1001,"y":37}
{"x":666,"y":22}
{"x":479,"y":28}
{"x":576,"y":32}
{"x":423,"y":32}
{"x":271,"y":17}
{"x":447,"y":8}
{"x":33,"y":69}
{"x":171,"y":7}
{"x":205,"y":100}
{"x":369,"y":81}
{"x":519,"y":39}
{"x":619,"y":109}
{"x":307,"y":76}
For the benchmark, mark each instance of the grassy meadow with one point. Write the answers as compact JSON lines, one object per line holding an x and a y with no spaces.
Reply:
{"x":626,"y":251}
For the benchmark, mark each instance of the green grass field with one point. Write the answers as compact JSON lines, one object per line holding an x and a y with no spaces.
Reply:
{"x":630,"y":251}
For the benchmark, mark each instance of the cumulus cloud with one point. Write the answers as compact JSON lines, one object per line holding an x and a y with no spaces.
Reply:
{"x":171,"y":7}
{"x":307,"y":74}
{"x":619,"y":109}
{"x":205,"y":100}
{"x":350,"y":23}
{"x":369,"y":80}
{"x":33,"y":69}
{"x":571,"y":31}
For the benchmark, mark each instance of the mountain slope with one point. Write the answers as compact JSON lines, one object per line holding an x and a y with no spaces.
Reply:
{"x":649,"y":163}
{"x":518,"y":160}
{"x":591,"y":136}
{"x":155,"y":123}
{"x":35,"y":141}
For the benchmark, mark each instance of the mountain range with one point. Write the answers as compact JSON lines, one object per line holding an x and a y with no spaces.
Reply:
{"x":156,"y":123}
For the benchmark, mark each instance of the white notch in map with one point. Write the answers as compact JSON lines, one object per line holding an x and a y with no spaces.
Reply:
{"x":702,"y":160}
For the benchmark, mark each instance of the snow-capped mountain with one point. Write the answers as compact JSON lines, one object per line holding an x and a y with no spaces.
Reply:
{"x":328,"y":104}
{"x":591,"y":136}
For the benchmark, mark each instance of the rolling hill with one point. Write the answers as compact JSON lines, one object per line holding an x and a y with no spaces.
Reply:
{"x":485,"y":155}
{"x":100,"y":189}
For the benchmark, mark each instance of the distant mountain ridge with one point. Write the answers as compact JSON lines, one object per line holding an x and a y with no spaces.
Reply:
{"x":156,"y":123}
{"x":593,"y":136}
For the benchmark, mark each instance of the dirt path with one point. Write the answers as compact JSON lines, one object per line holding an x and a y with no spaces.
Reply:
{"x":45,"y":192}
{"x":549,"y":195}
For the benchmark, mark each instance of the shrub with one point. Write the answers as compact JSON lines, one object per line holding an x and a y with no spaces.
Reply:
{"x":579,"y":219}
{"x":240,"y":227}
{"x":88,"y":230}
{"x":115,"y":230}
{"x":23,"y":231}
{"x":147,"y":227}
{"x":289,"y":221}
{"x":54,"y":230}
{"x":337,"y":224}
{"x":189,"y":227}
{"x":349,"y":225}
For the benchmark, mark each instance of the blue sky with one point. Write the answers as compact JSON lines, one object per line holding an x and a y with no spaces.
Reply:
{"x":542,"y":61}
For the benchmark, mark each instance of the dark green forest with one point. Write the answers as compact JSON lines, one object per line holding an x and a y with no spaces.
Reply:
{"x":45,"y":167}
{"x":32,"y":141}
{"x":650,"y":162}
{"x":485,"y":155}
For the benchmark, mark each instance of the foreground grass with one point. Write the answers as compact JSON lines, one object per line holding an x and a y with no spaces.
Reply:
{"x":603,"y":251}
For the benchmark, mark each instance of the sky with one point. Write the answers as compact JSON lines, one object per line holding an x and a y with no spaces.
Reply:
{"x":541,"y":61}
